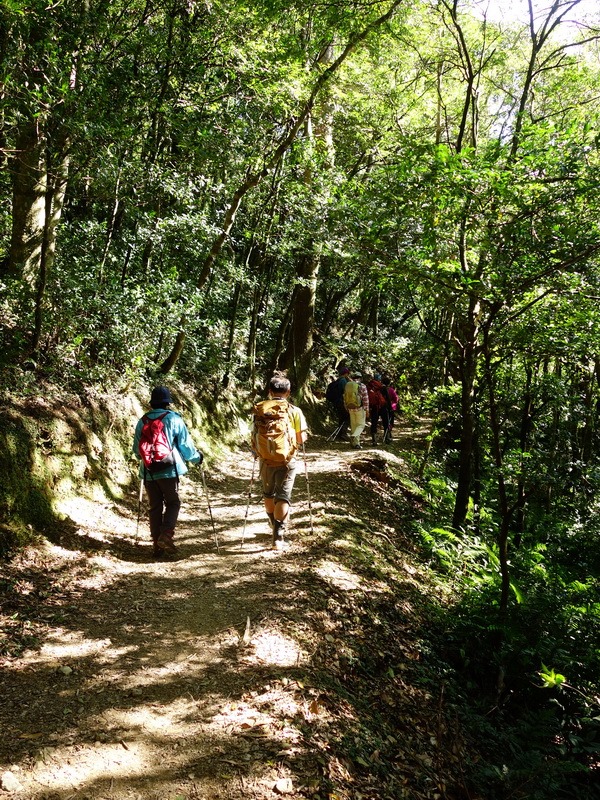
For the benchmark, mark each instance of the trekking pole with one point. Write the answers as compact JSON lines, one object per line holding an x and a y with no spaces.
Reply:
{"x":308,"y":490}
{"x":337,"y":431}
{"x":137,"y":527}
{"x":209,"y":509}
{"x":388,"y":433}
{"x":248,"y":503}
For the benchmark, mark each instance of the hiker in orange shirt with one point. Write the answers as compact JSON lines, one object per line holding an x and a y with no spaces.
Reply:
{"x":279,"y":430}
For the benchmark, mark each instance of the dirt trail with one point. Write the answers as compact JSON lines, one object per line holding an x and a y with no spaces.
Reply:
{"x":195,"y":678}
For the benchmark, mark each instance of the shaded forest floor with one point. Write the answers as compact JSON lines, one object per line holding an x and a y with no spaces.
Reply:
{"x":233,"y":673}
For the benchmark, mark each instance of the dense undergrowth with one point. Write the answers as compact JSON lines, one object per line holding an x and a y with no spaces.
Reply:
{"x":527,"y":678}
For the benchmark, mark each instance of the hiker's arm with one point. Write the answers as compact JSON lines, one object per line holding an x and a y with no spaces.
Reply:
{"x":301,"y":429}
{"x":365,"y":399}
{"x":136,"y":441}
{"x":183,"y":442}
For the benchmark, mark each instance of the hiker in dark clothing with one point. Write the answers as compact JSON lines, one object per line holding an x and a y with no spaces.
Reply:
{"x":162,"y":481}
{"x":392,"y":396}
{"x":335,"y":397}
{"x":379,"y":407}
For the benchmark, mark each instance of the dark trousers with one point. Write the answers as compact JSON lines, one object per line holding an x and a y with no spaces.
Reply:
{"x":163,"y":497}
{"x":376,"y":413}
{"x":343,"y":417}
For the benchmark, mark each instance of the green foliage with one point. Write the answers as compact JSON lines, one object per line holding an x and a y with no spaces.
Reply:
{"x":452,"y":210}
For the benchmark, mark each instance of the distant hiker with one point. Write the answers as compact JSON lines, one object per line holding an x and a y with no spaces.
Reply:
{"x":163,"y":444}
{"x":379,"y":407}
{"x":334,"y":395}
{"x":356,"y":401}
{"x":278,"y":431}
{"x":392,"y":403}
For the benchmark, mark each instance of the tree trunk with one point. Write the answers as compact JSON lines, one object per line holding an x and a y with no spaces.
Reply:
{"x":505,"y":511}
{"x":282,"y":334}
{"x":297,"y":356}
{"x":30,"y":179}
{"x":53,"y":207}
{"x":110,"y":226}
{"x":468,"y":373}
{"x":525,"y":429}
{"x":589,"y":429}
{"x":176,"y":351}
{"x":229,"y":354}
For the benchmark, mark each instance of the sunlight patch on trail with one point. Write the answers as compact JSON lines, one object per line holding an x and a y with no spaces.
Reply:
{"x":170,"y":722}
{"x":55,"y":771}
{"x":62,"y":645}
{"x":275,"y":648}
{"x":339,"y":576}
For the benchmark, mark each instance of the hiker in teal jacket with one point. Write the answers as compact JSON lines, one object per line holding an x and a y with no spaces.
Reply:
{"x":162,"y":486}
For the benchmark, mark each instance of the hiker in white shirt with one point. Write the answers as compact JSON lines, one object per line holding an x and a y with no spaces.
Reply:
{"x":356,"y":402}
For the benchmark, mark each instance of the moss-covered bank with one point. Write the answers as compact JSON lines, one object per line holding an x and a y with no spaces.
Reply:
{"x":56,"y":444}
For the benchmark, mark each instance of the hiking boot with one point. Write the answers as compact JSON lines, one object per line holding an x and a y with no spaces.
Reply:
{"x":165,"y":542}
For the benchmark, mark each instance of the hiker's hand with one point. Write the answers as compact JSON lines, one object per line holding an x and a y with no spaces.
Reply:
{"x":198,"y":459}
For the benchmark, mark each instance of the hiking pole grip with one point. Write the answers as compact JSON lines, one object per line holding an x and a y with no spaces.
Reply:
{"x":308,"y":490}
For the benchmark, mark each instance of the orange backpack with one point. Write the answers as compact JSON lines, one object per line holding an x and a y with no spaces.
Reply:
{"x":274,"y":435}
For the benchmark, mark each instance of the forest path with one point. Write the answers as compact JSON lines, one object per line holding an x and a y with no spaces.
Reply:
{"x":196,"y":678}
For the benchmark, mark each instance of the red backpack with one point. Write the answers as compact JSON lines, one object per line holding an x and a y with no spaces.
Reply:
{"x":377,"y":398}
{"x":154,"y":448}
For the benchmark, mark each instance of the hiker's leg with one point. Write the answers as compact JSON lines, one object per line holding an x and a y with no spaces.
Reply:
{"x":267,"y":476}
{"x":282,"y":510}
{"x":155,"y":508}
{"x":270,"y":510}
{"x":284,"y":483}
{"x":170,"y":490}
{"x":374,"y":420}
{"x":343,"y":420}
{"x":359,"y":420}
{"x":353,"y":426}
{"x":385,"y":424}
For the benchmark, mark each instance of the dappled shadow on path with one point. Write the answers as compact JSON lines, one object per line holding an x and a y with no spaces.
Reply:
{"x":210,"y":675}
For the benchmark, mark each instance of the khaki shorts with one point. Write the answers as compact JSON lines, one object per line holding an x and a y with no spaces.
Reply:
{"x":278,"y":482}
